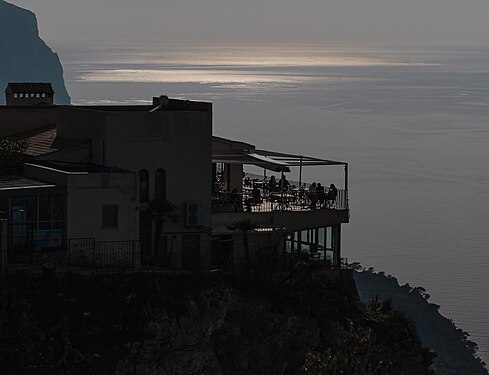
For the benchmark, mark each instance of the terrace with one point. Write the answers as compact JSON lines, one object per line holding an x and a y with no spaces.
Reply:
{"x":237,"y":190}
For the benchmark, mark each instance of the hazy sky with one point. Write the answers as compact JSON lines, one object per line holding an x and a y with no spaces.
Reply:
{"x":464,"y":22}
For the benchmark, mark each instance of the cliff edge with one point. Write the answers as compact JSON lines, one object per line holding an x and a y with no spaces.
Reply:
{"x":24,"y":57}
{"x":149,"y":324}
{"x":456,"y":354}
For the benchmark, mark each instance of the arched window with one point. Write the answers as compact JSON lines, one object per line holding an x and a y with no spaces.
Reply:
{"x":143,"y":185}
{"x":160,"y":184}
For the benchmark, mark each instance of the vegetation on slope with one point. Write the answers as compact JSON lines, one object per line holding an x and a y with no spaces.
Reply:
{"x":456,"y":353}
{"x":152,"y":324}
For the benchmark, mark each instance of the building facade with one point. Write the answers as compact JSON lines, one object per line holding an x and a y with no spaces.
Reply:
{"x":154,"y":177}
{"x":29,"y":94}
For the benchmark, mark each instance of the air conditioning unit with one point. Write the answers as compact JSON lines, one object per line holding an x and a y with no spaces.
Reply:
{"x":193,"y":216}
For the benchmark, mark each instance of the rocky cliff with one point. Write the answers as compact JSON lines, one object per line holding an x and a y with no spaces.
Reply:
{"x":149,"y":324}
{"x":24,"y":57}
{"x":456,"y":354}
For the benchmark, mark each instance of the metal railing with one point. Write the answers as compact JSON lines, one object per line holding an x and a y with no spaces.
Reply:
{"x":267,"y":201}
{"x":70,"y":254}
{"x":85,"y":255}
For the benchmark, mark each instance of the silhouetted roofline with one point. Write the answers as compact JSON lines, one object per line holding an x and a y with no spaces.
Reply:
{"x":30,"y":87}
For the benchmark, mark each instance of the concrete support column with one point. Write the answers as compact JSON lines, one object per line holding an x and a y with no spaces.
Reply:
{"x":3,"y":247}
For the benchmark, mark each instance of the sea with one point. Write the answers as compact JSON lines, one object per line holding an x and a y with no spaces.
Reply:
{"x":411,"y":121}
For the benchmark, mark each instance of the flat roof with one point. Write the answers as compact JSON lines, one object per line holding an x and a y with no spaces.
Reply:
{"x":173,"y":105}
{"x":20,"y":182}
{"x":68,"y":167}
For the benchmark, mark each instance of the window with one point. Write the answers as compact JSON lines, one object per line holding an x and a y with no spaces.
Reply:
{"x":32,"y":94}
{"x":26,"y":95}
{"x":16,"y":95}
{"x":21,"y":95}
{"x":160,"y":184}
{"x":110,"y":216}
{"x":143,"y":185}
{"x":43,"y":95}
{"x":38,"y":95}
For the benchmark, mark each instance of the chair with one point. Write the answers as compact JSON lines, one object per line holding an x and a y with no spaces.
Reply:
{"x":331,"y":198}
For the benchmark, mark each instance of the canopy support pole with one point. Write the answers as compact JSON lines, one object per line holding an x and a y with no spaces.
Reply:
{"x":282,"y":181}
{"x":300,"y":173}
{"x":346,"y":184}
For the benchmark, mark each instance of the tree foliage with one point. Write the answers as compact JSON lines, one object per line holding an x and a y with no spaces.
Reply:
{"x":384,"y":341}
{"x":12,"y":155}
{"x":161,"y":211}
{"x":244,"y":226}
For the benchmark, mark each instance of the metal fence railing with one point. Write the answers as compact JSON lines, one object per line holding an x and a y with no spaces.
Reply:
{"x":215,"y":254}
{"x":80,"y":254}
{"x":266,"y":201}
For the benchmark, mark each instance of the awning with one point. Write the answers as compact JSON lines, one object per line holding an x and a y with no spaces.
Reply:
{"x":234,"y":152}
{"x":268,"y":163}
{"x":251,"y":158}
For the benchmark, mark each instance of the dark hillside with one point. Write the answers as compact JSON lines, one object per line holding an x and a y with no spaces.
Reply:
{"x":152,"y":324}
{"x":456,"y":354}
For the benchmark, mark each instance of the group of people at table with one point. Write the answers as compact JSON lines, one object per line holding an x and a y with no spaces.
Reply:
{"x":316,"y":194}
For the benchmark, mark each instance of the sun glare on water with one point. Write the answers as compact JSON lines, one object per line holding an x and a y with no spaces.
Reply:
{"x":245,"y":65}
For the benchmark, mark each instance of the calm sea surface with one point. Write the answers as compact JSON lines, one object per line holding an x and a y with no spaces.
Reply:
{"x":412,"y":122}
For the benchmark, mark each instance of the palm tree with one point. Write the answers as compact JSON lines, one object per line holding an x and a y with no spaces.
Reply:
{"x":161,"y":211}
{"x":244,"y":226}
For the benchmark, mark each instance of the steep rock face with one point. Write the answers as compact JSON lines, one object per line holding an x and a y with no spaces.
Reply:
{"x":148,"y":324}
{"x":455,"y":352}
{"x":24,"y":57}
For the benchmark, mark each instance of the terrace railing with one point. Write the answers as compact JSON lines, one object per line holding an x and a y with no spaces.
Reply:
{"x":290,"y":200}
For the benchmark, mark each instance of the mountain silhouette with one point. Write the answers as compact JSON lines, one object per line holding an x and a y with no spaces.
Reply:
{"x":24,"y":57}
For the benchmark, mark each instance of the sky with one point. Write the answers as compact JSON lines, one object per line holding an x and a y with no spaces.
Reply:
{"x":447,"y":22}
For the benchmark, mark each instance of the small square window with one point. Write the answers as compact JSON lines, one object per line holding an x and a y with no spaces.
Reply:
{"x":16,"y":95}
{"x":32,"y":94}
{"x":110,"y":217}
{"x":26,"y":95}
{"x":38,"y":95}
{"x":43,"y":95}
{"x":21,"y":95}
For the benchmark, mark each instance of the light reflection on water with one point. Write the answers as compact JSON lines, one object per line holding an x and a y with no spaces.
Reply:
{"x":189,"y":76}
{"x":411,"y":122}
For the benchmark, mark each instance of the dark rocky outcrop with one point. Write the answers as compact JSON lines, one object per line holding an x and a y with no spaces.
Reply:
{"x":24,"y":57}
{"x":152,"y":324}
{"x":456,"y":354}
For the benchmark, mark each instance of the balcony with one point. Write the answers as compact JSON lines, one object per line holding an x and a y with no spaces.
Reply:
{"x":291,"y":199}
{"x":268,"y":187}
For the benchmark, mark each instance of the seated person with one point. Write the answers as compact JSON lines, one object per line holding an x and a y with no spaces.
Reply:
{"x":272,"y":184}
{"x":284,"y":184}
{"x":311,"y":194}
{"x":235,"y":200}
{"x":254,"y":199}
{"x":320,"y":194}
{"x":332,"y":194}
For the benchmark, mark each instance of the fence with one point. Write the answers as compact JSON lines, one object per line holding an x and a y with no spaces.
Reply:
{"x":290,"y":200}
{"x":76,"y":254}
{"x":213,"y":254}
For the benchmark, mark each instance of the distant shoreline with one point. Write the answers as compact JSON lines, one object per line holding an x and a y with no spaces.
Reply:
{"x":456,"y":353}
